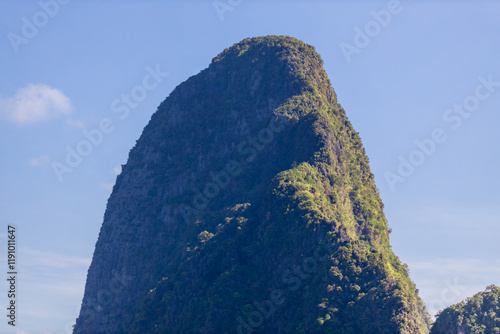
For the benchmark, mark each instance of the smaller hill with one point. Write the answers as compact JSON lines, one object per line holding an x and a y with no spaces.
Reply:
{"x":479,"y":315}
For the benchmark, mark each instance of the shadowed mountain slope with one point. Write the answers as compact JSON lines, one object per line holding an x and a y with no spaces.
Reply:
{"x":248,"y":206}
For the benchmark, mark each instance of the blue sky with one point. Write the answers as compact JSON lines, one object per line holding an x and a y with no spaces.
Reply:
{"x":419,"y":80}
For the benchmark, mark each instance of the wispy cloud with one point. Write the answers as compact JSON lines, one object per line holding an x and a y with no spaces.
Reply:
{"x":54,"y":277}
{"x":117,"y":170}
{"x":34,"y":103}
{"x":39,"y":161}
{"x":459,"y":267}
{"x":48,"y":260}
{"x":460,"y":223}
{"x":460,"y":217}
{"x":75,"y":123}
{"x":43,"y":272}
{"x":107,"y":186}
{"x":446,"y":281}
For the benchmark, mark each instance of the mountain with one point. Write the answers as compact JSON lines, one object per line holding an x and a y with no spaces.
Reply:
{"x":479,"y":314}
{"x":248,"y":206}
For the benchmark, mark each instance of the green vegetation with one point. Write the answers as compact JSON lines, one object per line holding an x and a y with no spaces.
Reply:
{"x":289,"y":237}
{"x":479,"y":314}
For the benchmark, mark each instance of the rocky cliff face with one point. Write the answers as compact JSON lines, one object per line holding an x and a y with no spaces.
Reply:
{"x":248,"y":206}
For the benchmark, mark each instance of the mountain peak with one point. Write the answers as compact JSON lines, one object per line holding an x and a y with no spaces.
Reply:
{"x":285,"y":47}
{"x":248,"y":205}
{"x":288,"y":58}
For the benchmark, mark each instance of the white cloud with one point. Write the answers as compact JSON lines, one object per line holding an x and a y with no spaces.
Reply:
{"x":108,"y":186}
{"x":40,"y":161}
{"x":117,"y":170}
{"x":34,"y":103}
{"x":22,"y":332}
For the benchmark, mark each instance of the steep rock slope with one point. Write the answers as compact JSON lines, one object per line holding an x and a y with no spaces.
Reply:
{"x":248,"y":206}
